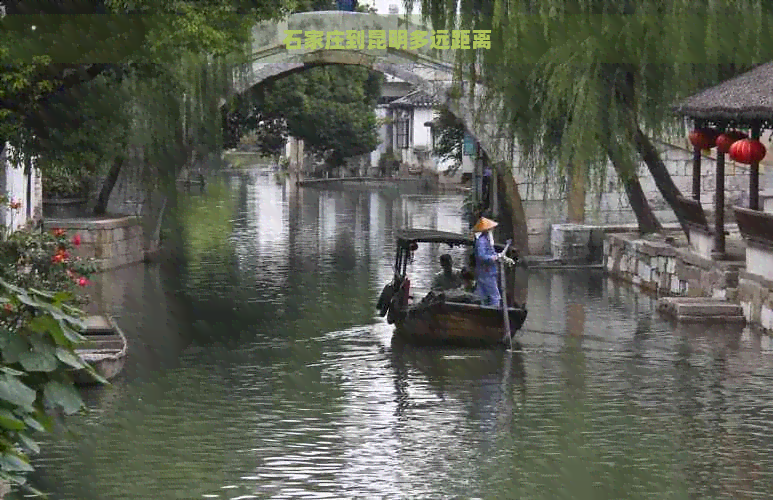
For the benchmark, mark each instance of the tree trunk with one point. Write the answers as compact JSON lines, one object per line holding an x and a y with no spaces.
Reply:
{"x":660,"y":173}
{"x":645,"y":217}
{"x":514,"y":206}
{"x":626,"y":88}
{"x":107,"y":186}
{"x":576,"y":195}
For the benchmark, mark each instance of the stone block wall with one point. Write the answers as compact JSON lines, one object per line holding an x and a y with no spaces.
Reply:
{"x":112,"y":242}
{"x":756,"y":297}
{"x":755,"y":286}
{"x":660,"y":267}
{"x":576,"y":244}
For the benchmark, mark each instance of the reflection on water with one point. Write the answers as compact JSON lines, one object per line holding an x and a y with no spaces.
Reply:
{"x":259,"y":369}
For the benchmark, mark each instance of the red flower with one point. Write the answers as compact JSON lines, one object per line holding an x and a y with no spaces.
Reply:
{"x":83,"y":281}
{"x":8,"y":307}
{"x":76,"y":240}
{"x":57,"y":232}
{"x":56,"y":259}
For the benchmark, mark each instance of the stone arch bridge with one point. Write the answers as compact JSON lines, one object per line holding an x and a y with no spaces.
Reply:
{"x":405,"y":51}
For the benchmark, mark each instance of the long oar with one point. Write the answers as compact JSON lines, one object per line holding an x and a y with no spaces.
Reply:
{"x":503,"y":295}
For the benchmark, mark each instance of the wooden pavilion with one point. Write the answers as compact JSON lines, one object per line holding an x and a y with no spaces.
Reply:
{"x":742,"y":103}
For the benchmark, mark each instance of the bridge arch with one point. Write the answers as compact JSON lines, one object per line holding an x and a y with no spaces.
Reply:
{"x":430,"y":70}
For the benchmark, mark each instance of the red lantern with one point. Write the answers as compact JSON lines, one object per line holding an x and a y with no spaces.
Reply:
{"x":703,"y":138}
{"x":747,"y":151}
{"x":724,"y":141}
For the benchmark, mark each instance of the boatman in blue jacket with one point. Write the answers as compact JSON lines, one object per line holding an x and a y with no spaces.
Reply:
{"x":486,"y":262}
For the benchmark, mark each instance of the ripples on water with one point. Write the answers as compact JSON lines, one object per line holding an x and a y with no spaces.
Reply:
{"x":258,"y":369}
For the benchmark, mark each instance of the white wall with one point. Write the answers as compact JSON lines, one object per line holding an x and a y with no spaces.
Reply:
{"x":13,"y":184}
{"x":422,"y":135}
{"x":375,"y":155}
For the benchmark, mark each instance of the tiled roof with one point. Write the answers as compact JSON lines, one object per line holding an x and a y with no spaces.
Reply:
{"x":416,"y":98}
{"x":747,"y":97}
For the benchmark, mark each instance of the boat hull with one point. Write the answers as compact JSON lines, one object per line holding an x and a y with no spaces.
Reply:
{"x":453,"y":323}
{"x":106,"y":368}
{"x":105,"y":350}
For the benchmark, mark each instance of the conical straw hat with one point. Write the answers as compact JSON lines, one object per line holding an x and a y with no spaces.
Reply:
{"x":484,"y":224}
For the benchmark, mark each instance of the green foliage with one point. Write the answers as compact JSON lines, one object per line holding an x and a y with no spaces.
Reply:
{"x":166,"y":67}
{"x":45,"y":260}
{"x":38,"y":335}
{"x":330,"y":107}
{"x":61,"y":180}
{"x":449,"y":139}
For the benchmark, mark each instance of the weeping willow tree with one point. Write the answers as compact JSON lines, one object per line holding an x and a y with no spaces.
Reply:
{"x":165,"y":66}
{"x":580,"y":83}
{"x":175,"y":119}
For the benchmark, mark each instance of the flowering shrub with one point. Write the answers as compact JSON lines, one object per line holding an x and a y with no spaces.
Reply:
{"x":38,"y":334}
{"x":44,"y":260}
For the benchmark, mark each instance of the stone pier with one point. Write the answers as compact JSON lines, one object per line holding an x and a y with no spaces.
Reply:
{"x":112,"y":241}
{"x":667,"y":268}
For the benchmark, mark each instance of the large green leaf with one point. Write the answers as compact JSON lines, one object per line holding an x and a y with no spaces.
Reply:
{"x":29,"y":443}
{"x":69,"y":358}
{"x":13,"y":462}
{"x":64,"y":396}
{"x":46,"y":324}
{"x":11,"y":371}
{"x":14,"y":346}
{"x":10,"y":421}
{"x":15,"y":392}
{"x":26,"y":299}
{"x":34,"y":423}
{"x":71,"y":334}
{"x":37,"y":361}
{"x":42,"y":357}
{"x":97,"y":377}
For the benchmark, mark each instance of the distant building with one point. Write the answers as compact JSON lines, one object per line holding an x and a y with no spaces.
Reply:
{"x":409,"y":134}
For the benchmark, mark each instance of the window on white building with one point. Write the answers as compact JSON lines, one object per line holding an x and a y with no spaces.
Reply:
{"x":403,"y":131}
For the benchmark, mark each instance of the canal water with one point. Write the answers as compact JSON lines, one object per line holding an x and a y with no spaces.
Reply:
{"x":258,"y":369}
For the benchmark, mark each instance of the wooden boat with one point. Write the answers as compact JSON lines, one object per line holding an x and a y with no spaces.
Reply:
{"x":442,"y":318}
{"x":105,"y":350}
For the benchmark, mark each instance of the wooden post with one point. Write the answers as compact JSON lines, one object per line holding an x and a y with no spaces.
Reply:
{"x":719,"y":209}
{"x":754,"y":176}
{"x":696,"y":174}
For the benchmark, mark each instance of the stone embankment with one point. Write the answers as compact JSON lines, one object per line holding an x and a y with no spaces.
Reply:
{"x":666,"y":268}
{"x":741,"y":285}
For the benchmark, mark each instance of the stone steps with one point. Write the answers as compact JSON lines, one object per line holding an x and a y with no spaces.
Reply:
{"x":699,"y":309}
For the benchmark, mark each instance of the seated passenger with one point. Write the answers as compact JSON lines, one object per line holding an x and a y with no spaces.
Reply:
{"x":468,"y":279}
{"x":447,"y":279}
{"x":466,"y":292}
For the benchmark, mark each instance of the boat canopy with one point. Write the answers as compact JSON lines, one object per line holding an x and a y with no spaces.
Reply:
{"x":406,"y":237}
